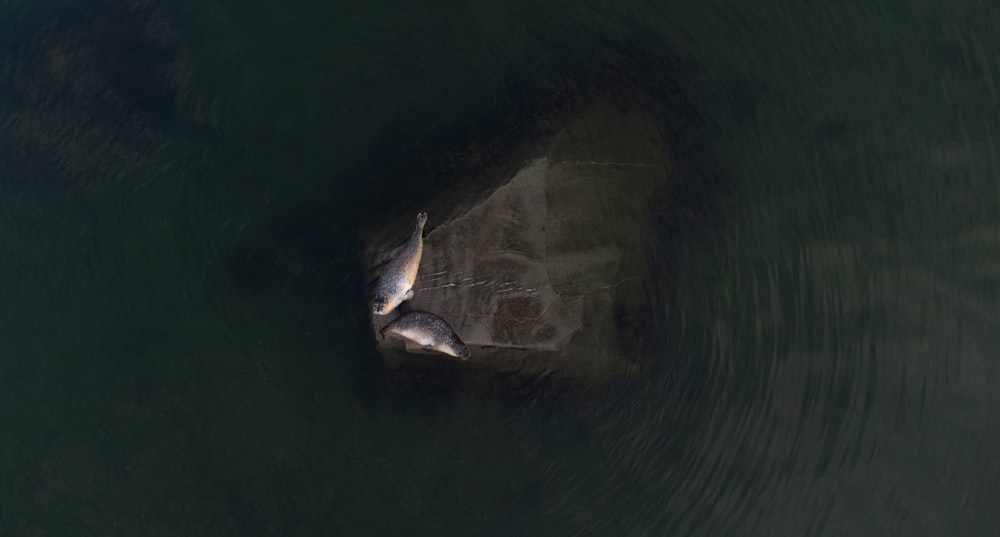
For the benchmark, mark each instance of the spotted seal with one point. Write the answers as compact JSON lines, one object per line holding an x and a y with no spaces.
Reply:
{"x":430,"y":331}
{"x":396,"y":284}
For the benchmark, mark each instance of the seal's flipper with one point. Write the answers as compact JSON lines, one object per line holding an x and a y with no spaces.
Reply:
{"x":408,"y":295}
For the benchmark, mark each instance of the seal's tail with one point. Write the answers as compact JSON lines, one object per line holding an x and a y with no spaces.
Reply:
{"x":383,"y":331}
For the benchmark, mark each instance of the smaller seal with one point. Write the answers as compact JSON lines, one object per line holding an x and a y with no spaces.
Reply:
{"x":430,"y":331}
{"x":395,"y":286}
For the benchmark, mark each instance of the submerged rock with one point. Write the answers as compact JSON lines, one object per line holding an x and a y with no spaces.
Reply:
{"x":547,"y":271}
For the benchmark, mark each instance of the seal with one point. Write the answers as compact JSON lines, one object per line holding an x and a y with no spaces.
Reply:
{"x":430,"y":331}
{"x":396,"y":284}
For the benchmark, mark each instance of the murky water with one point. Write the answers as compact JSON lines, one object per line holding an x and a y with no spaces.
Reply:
{"x":184,"y":347}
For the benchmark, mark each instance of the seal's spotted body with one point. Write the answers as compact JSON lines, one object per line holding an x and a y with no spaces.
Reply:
{"x":429,"y":331}
{"x":396,"y":284}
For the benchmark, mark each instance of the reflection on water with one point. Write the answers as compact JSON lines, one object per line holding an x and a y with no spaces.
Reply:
{"x":185,"y":348}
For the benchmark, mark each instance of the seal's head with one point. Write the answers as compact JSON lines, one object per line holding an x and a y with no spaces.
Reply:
{"x":380,"y":306}
{"x":458,"y":349}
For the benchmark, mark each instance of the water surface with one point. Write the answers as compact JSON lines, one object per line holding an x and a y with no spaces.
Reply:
{"x":182,"y":322}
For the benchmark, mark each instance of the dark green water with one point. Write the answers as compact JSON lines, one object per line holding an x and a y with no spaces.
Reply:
{"x":183,"y":342}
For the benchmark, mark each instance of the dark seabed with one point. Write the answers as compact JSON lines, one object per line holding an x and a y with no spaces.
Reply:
{"x":184,"y":339}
